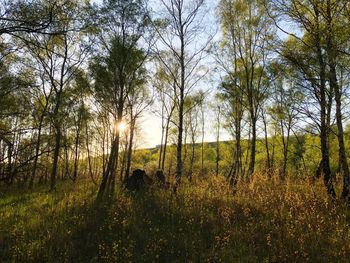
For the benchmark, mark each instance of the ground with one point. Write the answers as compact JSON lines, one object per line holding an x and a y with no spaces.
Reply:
{"x":265,"y":220}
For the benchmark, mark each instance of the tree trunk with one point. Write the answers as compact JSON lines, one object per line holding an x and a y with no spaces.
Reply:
{"x":88,"y":155}
{"x":202,"y":143}
{"x":58,"y":136}
{"x":285,"y":142}
{"x":324,"y":128}
{"x":252,"y":146}
{"x":36,"y":157}
{"x":37,"y":147}
{"x":10,"y":163}
{"x":108,"y":178}
{"x":76,"y":153}
{"x":267,"y":148}
{"x":165,"y":143}
{"x":76,"y":158}
{"x":218,"y":142}
{"x":66,"y":172}
{"x":333,"y":83}
{"x":130,"y":147}
{"x":110,"y":167}
{"x":339,"y":119}
{"x":123,"y":161}
{"x":192,"y":159}
{"x":237,"y":167}
{"x":161,"y":141}
{"x":179,"y":139}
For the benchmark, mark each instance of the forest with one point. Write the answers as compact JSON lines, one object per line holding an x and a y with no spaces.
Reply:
{"x":174,"y":130}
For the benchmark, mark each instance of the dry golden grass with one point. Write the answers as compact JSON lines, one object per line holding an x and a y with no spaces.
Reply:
{"x":265,"y":220}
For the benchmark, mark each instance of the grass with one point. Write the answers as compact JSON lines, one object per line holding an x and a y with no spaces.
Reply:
{"x":263,"y":221}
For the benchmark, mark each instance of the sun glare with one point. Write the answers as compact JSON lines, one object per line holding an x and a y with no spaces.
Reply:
{"x":121,"y":126}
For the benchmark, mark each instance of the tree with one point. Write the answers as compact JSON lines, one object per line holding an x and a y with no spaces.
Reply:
{"x":314,"y":55}
{"x":27,"y":16}
{"x":183,"y":25}
{"x":138,"y":101}
{"x":119,"y":68}
{"x":232,"y":97}
{"x":284,"y":106}
{"x":59,"y":57}
{"x":191,"y":122}
{"x":247,"y":33}
{"x":15,"y":102}
{"x":165,"y":89}
{"x":336,"y":41}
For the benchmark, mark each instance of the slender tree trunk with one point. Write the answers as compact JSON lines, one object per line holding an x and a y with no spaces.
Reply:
{"x":267,"y":148}
{"x":165,"y":143}
{"x":334,"y":85}
{"x":123,"y":161}
{"x":324,"y":142}
{"x":339,"y":119}
{"x":237,"y":166}
{"x":76,"y":156}
{"x":323,"y":107}
{"x":185,"y":148}
{"x":192,"y":158}
{"x":161,"y":141}
{"x":58,"y":136}
{"x":114,"y":167}
{"x":37,"y":148}
{"x":10,"y":162}
{"x":179,"y":139}
{"x":110,"y":166}
{"x":273,"y":150}
{"x":88,"y":155}
{"x":36,"y":157}
{"x":247,"y":152}
{"x":76,"y":153}
{"x":66,"y":172}
{"x":108,"y":178}
{"x":252,"y":146}
{"x":202,"y":143}
{"x":104,"y":145}
{"x":218,"y":142}
{"x":130,"y":147}
{"x":181,"y":100}
{"x":285,"y":142}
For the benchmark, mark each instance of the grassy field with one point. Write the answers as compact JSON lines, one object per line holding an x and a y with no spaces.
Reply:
{"x":263,"y":221}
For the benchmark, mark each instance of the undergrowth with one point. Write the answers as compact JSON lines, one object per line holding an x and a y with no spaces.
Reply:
{"x":266,"y":220}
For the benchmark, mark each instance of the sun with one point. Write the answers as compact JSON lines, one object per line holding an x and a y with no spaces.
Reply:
{"x":121,"y":126}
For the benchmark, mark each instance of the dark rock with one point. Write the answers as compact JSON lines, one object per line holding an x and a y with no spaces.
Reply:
{"x":160,"y":177}
{"x":138,"y":181}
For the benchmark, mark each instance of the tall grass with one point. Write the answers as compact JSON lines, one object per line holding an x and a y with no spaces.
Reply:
{"x":266,"y":220}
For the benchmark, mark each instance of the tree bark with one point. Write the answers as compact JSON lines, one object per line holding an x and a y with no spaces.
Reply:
{"x":218,"y":142}
{"x":267,"y":148}
{"x":323,"y":107}
{"x":58,"y":136}
{"x":37,"y":149}
{"x":130,"y":147}
{"x":333,"y":82}
{"x":165,"y":143}
{"x":252,"y":146}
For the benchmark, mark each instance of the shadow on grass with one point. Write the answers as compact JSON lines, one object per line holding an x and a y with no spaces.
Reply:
{"x":158,"y":226}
